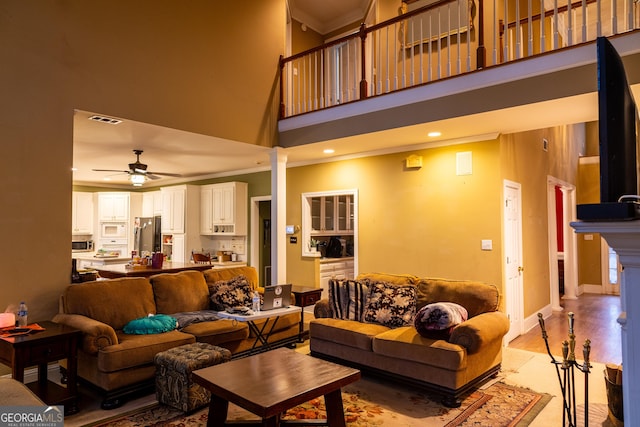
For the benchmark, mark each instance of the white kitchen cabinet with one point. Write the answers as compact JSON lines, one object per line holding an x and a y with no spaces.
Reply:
{"x":151,"y":203}
{"x":223,"y":209}
{"x":180,"y":221}
{"x":113,"y":206}
{"x":332,"y":268}
{"x":82,"y":213}
{"x":178,"y":252}
{"x":173,"y":208}
{"x":331,"y":215}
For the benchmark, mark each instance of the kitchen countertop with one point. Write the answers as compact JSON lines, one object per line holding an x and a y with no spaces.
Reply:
{"x":94,"y":260}
{"x":121,"y":270}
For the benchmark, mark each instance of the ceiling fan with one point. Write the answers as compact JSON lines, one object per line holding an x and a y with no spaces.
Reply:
{"x":138,"y":173}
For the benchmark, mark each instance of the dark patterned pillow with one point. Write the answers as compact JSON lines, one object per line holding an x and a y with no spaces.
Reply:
{"x":390,"y":305}
{"x":437,"y":320}
{"x":230,"y":293}
{"x":348,"y":299}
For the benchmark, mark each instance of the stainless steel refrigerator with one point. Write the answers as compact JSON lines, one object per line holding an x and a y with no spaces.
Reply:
{"x":146,"y":234}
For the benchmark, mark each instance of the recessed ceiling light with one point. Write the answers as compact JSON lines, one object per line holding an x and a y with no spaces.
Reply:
{"x":434,"y":134}
{"x":74,"y":169}
{"x":328,"y":151}
{"x":103,"y":119}
{"x":106,"y":178}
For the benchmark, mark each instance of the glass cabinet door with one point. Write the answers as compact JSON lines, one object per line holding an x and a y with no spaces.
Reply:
{"x":344,"y":213}
{"x":316,"y":211}
{"x":329,"y":214}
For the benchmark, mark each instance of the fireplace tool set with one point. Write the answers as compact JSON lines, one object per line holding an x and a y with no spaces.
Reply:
{"x":566,"y":378}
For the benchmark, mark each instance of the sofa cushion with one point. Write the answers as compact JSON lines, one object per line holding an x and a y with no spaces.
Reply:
{"x":179,"y":292}
{"x":348,"y":298}
{"x":152,"y":324}
{"x":394,"y":279}
{"x":216,"y":274}
{"x":476,"y":297}
{"x":218,"y":332}
{"x":406,"y":344}
{"x":132,"y":296}
{"x":391,"y":305}
{"x":235,"y":292}
{"x":437,"y":320}
{"x":137,"y":350}
{"x":345,"y":332}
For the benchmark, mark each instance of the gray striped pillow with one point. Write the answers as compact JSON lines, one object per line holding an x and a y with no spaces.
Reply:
{"x":348,"y":299}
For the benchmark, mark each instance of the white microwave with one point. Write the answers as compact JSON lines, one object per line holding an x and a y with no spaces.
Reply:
{"x":113,"y":230}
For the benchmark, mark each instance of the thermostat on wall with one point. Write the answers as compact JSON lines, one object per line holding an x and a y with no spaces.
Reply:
{"x":291,"y":229}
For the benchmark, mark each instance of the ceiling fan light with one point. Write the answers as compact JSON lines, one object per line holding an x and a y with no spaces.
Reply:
{"x":137,"y":179}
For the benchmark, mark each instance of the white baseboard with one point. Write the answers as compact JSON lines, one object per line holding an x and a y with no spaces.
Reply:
{"x":531,"y":322}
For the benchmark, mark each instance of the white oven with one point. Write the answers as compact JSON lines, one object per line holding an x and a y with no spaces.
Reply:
{"x":113,"y":230}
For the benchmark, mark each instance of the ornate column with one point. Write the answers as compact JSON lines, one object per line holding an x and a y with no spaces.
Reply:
{"x":624,"y":238}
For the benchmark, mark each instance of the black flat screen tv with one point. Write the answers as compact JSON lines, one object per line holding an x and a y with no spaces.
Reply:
{"x":618,"y":116}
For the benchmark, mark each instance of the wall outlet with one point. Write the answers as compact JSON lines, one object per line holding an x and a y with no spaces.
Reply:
{"x":487,"y":245}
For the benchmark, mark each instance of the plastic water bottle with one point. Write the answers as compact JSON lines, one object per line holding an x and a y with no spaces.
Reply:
{"x":256,"y":302}
{"x":22,"y":315}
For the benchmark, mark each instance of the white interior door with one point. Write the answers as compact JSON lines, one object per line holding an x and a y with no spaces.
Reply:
{"x":611,"y":270}
{"x":513,"y":258}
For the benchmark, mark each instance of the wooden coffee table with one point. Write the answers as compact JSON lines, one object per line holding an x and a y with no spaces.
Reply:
{"x":268,"y":384}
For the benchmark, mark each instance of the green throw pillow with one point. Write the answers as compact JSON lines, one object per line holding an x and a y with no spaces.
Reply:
{"x":153,"y":324}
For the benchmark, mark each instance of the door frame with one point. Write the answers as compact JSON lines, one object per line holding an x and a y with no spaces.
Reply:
{"x":517,"y":311}
{"x":255,"y":230}
{"x":570,"y":241}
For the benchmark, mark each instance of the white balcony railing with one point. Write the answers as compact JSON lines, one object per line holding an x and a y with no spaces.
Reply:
{"x":443,"y":39}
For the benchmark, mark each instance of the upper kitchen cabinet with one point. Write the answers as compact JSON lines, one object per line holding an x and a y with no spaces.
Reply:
{"x":152,"y":203}
{"x":332,"y":215}
{"x":173,"y":209}
{"x":223,"y":209}
{"x":82,"y":213}
{"x":113,"y":206}
{"x":180,"y":220}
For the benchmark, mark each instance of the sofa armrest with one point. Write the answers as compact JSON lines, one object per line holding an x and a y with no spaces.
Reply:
{"x":95,"y":335}
{"x":322,"y":309}
{"x":480,"y":330}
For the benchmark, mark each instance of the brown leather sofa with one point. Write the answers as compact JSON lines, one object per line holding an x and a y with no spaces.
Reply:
{"x":451,"y":367}
{"x":118,"y":363}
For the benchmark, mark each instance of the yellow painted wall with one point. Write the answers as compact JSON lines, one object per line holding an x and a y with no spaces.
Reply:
{"x":589,"y":251}
{"x":524,"y":161}
{"x":153,"y":61}
{"x":427,"y":222}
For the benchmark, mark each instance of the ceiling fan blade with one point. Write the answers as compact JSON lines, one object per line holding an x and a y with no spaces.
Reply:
{"x":109,"y":170}
{"x":176,"y":175}
{"x":151,"y":176}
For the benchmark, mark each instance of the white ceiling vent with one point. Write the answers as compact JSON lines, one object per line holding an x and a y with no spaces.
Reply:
{"x":104,"y":119}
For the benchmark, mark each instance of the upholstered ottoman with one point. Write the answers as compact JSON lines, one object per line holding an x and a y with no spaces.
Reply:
{"x":173,"y":374}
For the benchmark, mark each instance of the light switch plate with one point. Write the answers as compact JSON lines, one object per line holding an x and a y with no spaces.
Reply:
{"x":487,"y":245}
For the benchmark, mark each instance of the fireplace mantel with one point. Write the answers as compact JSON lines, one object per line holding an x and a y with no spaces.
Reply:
{"x":624,"y":238}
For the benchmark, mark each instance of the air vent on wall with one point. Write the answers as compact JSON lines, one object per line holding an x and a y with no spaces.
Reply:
{"x":104,"y":119}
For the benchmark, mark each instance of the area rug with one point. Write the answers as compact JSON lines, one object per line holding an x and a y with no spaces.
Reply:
{"x":370,"y":402}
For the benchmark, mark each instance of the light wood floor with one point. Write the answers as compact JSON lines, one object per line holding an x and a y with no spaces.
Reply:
{"x":595,"y":318}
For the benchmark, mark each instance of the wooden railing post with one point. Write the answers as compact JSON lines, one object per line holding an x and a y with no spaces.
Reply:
{"x":481,"y":51}
{"x":363,"y":66}
{"x":282,"y":110}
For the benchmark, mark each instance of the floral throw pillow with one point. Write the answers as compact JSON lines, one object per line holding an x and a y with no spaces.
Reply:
{"x":230,"y":293}
{"x":390,"y":305}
